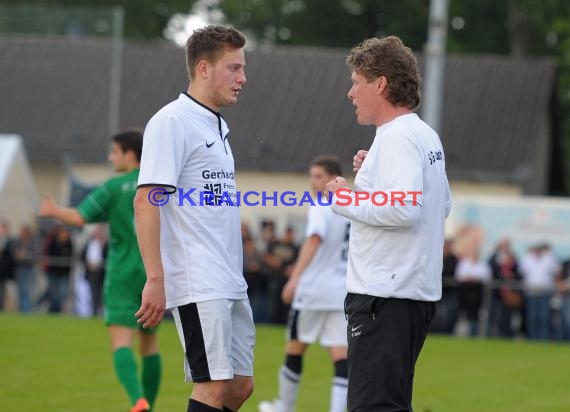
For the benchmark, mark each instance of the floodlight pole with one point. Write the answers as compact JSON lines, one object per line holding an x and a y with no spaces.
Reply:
{"x":435,"y":63}
{"x":116,"y":68}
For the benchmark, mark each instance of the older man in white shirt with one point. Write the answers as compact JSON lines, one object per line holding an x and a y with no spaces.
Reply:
{"x":395,"y":249}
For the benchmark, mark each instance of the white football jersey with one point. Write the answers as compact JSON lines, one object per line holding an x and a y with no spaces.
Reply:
{"x":322,"y":285}
{"x":396,"y":251}
{"x":186,"y":150}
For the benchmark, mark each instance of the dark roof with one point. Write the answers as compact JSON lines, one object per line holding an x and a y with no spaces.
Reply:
{"x":495,"y":112}
{"x":55,"y":93}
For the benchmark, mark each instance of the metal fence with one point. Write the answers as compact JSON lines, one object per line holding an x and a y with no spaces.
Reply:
{"x":450,"y":320}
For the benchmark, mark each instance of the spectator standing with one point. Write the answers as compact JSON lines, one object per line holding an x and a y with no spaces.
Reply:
{"x":506,"y":301}
{"x":471,"y":276}
{"x":59,"y":262}
{"x":446,"y":313}
{"x":94,"y":256}
{"x":539,"y":269}
{"x":281,"y":257}
{"x":563,"y":286}
{"x":24,"y":257}
{"x":6,"y":259}
{"x":256,"y":282}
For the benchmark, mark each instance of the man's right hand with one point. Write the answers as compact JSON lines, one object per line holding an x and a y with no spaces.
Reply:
{"x":153,"y":304}
{"x":358,"y":159}
{"x":288,"y":291}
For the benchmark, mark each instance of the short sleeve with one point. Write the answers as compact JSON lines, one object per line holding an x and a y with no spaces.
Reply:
{"x":317,"y":221}
{"x":95,"y":207}
{"x":163,"y":153}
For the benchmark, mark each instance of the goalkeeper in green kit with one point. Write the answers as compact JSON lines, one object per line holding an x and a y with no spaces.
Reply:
{"x":124,"y":274}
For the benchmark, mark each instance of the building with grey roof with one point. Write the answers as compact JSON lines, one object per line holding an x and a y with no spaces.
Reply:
{"x":500,"y":126}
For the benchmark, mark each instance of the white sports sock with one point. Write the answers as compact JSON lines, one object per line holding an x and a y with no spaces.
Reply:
{"x":288,"y":387}
{"x":339,"y":391}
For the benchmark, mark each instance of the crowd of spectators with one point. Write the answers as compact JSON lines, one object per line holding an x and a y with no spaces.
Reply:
{"x":501,"y":295}
{"x":41,"y":267}
{"x":504,"y":295}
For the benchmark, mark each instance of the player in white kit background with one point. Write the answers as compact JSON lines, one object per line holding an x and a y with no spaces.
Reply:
{"x":317,"y":290}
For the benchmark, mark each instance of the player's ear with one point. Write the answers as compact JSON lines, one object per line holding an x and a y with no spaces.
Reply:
{"x":202,"y":68}
{"x":130,"y":155}
{"x":381,"y":85}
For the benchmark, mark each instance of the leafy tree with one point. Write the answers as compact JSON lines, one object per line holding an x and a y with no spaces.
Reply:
{"x":143,"y":18}
{"x":546,"y":30}
{"x":332,"y":23}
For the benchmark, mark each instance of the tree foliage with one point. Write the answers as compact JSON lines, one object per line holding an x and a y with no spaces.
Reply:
{"x":332,"y":23}
{"x":143,"y":18}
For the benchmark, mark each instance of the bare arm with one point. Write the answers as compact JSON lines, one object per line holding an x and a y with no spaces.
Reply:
{"x":67,"y":215}
{"x":306,"y":255}
{"x":147,"y":222}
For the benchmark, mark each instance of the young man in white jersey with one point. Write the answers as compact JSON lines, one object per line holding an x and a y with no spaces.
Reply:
{"x":395,"y":250}
{"x":317,"y":290}
{"x":191,"y":245}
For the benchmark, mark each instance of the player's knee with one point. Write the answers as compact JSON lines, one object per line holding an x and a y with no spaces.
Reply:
{"x":210,"y":393}
{"x":247,"y":390}
{"x":240,"y":392}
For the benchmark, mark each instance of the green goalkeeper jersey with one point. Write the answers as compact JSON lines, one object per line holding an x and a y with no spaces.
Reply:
{"x":113,"y":202}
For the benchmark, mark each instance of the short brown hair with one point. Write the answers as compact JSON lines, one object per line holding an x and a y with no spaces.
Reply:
{"x":330,"y":163}
{"x":389,"y":57}
{"x":208,"y":43}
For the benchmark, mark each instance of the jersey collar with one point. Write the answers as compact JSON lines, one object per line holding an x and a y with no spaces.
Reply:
{"x":201,"y":105}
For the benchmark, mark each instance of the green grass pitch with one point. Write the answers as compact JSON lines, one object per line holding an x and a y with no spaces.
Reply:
{"x":63,"y":364}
